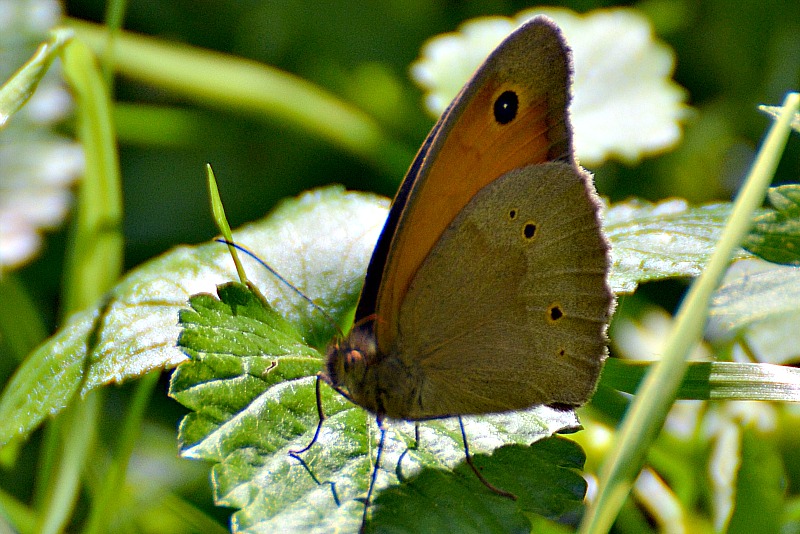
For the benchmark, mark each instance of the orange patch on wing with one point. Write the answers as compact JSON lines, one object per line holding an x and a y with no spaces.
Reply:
{"x":475,"y":152}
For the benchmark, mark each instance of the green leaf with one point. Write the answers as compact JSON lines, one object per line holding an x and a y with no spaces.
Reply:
{"x":47,"y":380}
{"x":544,"y":477}
{"x":657,"y":241}
{"x":759,"y":304}
{"x":239,"y":348}
{"x":775,"y":235}
{"x":322,"y":241}
{"x":251,"y":382}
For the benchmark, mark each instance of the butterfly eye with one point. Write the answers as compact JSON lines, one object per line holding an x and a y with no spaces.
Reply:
{"x":351,"y":359}
{"x":505,"y":107}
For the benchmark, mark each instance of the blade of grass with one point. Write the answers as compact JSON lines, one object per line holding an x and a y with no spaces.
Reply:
{"x":93,"y":264}
{"x":233,"y":83}
{"x":103,"y":504}
{"x":21,"y":323}
{"x":115,"y":13}
{"x":77,"y":429}
{"x":22,"y":519}
{"x":654,"y":399}
{"x":98,"y":246}
{"x":714,"y":380}
{"x":94,"y":258}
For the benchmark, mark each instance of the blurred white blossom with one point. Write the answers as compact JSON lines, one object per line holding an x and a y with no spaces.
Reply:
{"x":625,"y":103}
{"x":645,"y":338}
{"x":37,"y":166}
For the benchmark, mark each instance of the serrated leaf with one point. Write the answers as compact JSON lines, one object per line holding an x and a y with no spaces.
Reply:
{"x":760,"y":303}
{"x":252,"y":383}
{"x":657,"y":241}
{"x":775,"y":235}
{"x":239,"y":347}
{"x":321,"y":241}
{"x":544,"y":477}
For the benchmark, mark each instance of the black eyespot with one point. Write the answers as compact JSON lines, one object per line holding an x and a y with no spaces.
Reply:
{"x":555,"y":313}
{"x":529,"y":230}
{"x":506,"y":107}
{"x":512,"y":214}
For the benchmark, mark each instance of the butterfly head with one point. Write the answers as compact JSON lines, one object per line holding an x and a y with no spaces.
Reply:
{"x":347,"y":366}
{"x":380,"y":383}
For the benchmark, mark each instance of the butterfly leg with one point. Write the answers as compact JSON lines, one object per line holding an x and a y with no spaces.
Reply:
{"x":485,"y":482}
{"x":368,"y":501}
{"x":321,"y":415}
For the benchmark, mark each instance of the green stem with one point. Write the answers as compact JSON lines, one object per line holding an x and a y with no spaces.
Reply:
{"x":112,"y":484}
{"x":115,"y":13}
{"x":94,"y":257}
{"x":94,"y":262}
{"x":78,"y":426}
{"x":653,"y":401}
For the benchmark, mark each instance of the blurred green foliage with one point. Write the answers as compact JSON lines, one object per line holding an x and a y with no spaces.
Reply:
{"x":729,"y":58}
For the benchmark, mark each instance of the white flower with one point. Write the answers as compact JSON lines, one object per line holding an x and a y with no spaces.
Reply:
{"x":625,"y":105}
{"x":37,"y":167}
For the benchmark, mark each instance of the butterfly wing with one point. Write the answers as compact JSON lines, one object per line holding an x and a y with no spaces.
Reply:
{"x":466,"y":150}
{"x":510,"y":308}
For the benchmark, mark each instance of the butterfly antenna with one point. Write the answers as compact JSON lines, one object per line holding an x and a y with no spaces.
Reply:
{"x":291,"y":286}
